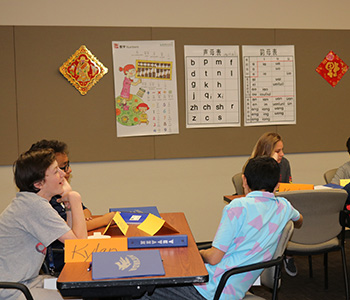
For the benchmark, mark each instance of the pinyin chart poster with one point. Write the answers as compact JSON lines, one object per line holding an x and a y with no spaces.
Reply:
{"x":269,"y":85}
{"x":212,"y":86}
{"x":145,"y":88}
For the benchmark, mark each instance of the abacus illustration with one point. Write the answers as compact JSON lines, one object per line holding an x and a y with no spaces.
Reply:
{"x":153,"y":69}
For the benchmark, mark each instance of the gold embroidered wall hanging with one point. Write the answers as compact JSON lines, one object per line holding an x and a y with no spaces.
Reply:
{"x":83,"y":70}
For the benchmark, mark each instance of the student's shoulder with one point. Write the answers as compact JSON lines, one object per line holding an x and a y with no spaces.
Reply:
{"x":242,"y":201}
{"x":28,"y":199}
{"x":284,"y":161}
{"x":345,"y":165}
{"x":284,"y":201}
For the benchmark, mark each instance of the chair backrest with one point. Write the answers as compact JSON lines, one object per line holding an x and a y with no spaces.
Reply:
{"x":328,"y":176}
{"x":238,"y":183}
{"x":267,"y":276}
{"x":320,"y":209}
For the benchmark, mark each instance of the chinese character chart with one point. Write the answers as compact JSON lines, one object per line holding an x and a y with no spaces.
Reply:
{"x":145,"y":88}
{"x":269,"y":85}
{"x":212,"y":86}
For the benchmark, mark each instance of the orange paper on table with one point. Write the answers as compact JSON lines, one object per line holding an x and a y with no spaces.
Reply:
{"x":80,"y":250}
{"x":285,"y":187}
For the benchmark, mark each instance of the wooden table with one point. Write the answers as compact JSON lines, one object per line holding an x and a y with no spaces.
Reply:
{"x":183,"y":265}
{"x":229,"y":198}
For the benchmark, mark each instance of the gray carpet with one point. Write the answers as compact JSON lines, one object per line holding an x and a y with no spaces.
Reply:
{"x":302,"y":287}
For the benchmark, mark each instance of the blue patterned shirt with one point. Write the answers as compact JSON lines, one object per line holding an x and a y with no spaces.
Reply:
{"x":248,"y":233}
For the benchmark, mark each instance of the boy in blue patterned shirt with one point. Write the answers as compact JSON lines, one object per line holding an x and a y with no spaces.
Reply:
{"x":248,"y":233}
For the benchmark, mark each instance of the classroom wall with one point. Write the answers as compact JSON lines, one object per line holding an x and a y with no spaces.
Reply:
{"x":195,"y":186}
{"x":312,"y":14}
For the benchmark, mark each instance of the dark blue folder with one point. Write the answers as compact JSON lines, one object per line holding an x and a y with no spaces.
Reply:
{"x":136,"y":215}
{"x":334,"y":186}
{"x":120,"y":264}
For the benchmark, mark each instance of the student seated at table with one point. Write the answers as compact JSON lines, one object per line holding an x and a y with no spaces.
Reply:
{"x":271,"y":144}
{"x":54,"y":259}
{"x":343,"y":171}
{"x":248,"y":233}
{"x":29,"y":223}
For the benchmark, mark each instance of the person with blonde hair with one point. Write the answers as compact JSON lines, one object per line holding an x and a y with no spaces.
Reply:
{"x":271,"y":144}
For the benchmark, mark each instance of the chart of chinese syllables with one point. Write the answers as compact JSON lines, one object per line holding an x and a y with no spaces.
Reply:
{"x":145,"y":88}
{"x":269,"y":85}
{"x":212,"y":86}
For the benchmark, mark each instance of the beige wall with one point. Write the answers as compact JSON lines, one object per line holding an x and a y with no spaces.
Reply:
{"x":194,"y":186}
{"x":312,"y":14}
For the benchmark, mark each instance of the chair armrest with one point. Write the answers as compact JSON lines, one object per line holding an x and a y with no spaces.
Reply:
{"x":57,"y":250}
{"x":18,"y":286}
{"x":252,"y":267}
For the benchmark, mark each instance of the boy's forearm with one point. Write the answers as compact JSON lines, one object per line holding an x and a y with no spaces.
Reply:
{"x":212,"y":255}
{"x":75,"y":217}
{"x":298,"y":223}
{"x":99,"y":221}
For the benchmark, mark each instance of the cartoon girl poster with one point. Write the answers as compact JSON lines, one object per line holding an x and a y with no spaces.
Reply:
{"x":145,"y":88}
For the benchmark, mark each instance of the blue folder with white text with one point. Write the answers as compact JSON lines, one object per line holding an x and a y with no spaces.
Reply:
{"x":158,"y":241}
{"x":120,"y":264}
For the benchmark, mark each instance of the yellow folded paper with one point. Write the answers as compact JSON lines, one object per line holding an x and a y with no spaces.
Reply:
{"x":151,"y":225}
{"x":120,"y":222}
{"x":344,"y":182}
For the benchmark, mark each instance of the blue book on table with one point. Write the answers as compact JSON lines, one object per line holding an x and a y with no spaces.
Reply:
{"x":158,"y":241}
{"x":334,"y":186}
{"x":119,"y":264}
{"x":136,"y":215}
{"x":133,"y":218}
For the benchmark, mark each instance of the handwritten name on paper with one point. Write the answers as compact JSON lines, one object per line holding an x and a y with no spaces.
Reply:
{"x":80,"y":250}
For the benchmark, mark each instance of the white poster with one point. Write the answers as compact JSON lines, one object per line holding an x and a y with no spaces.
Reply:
{"x":212,"y":86}
{"x":269,"y":85}
{"x":145,"y":88}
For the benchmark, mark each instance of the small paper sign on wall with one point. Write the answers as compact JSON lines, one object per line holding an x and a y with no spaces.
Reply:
{"x":80,"y":250}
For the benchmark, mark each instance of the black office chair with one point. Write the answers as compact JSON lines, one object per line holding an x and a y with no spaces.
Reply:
{"x":18,"y":286}
{"x":56,"y":254}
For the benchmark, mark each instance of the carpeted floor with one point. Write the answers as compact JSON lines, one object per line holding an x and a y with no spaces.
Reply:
{"x":302,"y":287}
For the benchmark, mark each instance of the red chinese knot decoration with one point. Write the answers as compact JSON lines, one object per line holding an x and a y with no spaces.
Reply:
{"x":332,"y":68}
{"x":83,"y":70}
